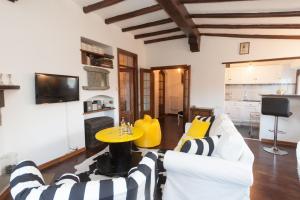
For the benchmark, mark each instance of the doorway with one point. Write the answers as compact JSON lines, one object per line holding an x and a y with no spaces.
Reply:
{"x":127,"y":79}
{"x":171,"y":95}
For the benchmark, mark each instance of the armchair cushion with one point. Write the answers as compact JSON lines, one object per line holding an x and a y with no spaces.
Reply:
{"x":27,"y":183}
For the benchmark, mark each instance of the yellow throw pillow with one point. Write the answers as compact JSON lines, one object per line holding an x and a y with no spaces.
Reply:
{"x":198,"y":129}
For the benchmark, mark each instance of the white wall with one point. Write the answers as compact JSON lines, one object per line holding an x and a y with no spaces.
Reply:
{"x":44,"y":36}
{"x":207,"y":79}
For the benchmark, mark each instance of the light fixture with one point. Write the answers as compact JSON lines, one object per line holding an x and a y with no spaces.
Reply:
{"x":179,"y":70}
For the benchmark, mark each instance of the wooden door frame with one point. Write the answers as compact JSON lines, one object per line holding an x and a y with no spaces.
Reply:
{"x":297,"y":75}
{"x":184,"y":67}
{"x":186,"y":115}
{"x":142,"y":70}
{"x":164,"y":94}
{"x":135,"y":81}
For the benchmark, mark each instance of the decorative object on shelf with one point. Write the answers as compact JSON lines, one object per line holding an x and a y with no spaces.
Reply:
{"x":244,"y":48}
{"x":94,"y":105}
{"x":98,"y":79}
{"x":87,"y":106}
{"x":102,"y":102}
{"x":9,"y":77}
{"x":1,"y":79}
{"x":96,"y":54}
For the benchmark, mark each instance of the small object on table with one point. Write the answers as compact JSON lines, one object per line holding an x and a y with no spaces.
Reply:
{"x":120,"y":158}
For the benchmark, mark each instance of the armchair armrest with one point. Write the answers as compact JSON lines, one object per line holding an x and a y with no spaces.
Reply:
{"x":208,"y":168}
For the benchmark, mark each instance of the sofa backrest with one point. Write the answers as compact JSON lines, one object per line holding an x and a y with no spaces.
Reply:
{"x":27,"y":183}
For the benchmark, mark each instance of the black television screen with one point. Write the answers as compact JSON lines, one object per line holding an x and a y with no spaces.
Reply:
{"x":51,"y":88}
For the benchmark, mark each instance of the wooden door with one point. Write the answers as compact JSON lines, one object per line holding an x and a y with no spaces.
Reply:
{"x":146,"y":92}
{"x":161,"y":93}
{"x":128,"y":84}
{"x":186,"y":94}
{"x":126,"y":90}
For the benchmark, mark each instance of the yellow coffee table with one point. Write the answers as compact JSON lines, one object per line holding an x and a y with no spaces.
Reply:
{"x":119,"y":159}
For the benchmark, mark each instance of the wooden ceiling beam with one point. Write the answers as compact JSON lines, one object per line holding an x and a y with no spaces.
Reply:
{"x":179,"y":15}
{"x":149,"y":24}
{"x":99,"y":5}
{"x":247,"y":15}
{"x":172,"y":30}
{"x":133,"y":14}
{"x":249,"y":26}
{"x":175,"y":37}
{"x":210,"y":1}
{"x":257,"y":36}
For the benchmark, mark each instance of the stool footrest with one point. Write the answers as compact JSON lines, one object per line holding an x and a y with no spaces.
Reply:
{"x":275,"y":150}
{"x":280,"y":132}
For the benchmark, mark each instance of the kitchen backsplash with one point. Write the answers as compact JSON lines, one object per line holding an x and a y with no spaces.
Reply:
{"x":253,"y":92}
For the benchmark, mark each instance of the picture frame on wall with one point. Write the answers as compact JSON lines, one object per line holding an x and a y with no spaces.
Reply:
{"x":244,"y":48}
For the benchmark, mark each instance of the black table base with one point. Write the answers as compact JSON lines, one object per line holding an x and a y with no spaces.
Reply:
{"x":119,"y":160}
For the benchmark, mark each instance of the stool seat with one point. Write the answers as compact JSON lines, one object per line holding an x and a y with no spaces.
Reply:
{"x":275,"y":106}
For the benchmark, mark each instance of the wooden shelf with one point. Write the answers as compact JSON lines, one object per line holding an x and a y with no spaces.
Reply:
{"x":104,"y":66}
{"x":9,"y":87}
{"x":98,"y":54}
{"x":95,"y":111}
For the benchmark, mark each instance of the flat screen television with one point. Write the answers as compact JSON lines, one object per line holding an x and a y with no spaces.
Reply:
{"x":52,"y":88}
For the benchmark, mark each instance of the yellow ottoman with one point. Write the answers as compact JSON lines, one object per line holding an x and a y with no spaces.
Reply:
{"x":152,"y":132}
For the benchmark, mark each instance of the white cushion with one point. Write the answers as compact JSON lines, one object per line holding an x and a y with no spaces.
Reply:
{"x":231,"y":144}
{"x":216,"y":127}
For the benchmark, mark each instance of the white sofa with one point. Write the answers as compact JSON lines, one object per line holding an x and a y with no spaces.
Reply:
{"x":226,"y":175}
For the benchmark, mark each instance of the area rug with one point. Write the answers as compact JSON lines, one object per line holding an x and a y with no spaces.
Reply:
{"x":87,"y":170}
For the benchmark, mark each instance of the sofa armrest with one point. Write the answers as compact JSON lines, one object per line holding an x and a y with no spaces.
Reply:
{"x":208,"y":168}
{"x":187,"y":126}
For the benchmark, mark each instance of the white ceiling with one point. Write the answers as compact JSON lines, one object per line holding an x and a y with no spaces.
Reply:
{"x":199,"y":8}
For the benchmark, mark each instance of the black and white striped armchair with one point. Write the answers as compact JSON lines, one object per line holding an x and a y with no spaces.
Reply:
{"x":27,"y":183}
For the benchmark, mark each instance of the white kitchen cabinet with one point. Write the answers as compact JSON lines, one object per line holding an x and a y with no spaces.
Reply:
{"x":239,"y":111}
{"x":260,"y":75}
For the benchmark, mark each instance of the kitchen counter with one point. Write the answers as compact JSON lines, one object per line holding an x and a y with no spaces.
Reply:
{"x":239,"y":100}
{"x":281,"y":95}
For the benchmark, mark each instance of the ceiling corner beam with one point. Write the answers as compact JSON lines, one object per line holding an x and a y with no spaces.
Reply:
{"x":255,"y":36}
{"x":210,"y":1}
{"x":146,"y":25}
{"x":179,"y":13}
{"x":99,"y":5}
{"x":133,"y":14}
{"x":175,"y":37}
{"x":143,"y":35}
{"x":249,"y":26}
{"x":247,"y":15}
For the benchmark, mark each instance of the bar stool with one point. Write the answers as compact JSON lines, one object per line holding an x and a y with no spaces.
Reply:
{"x":278,"y":107}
